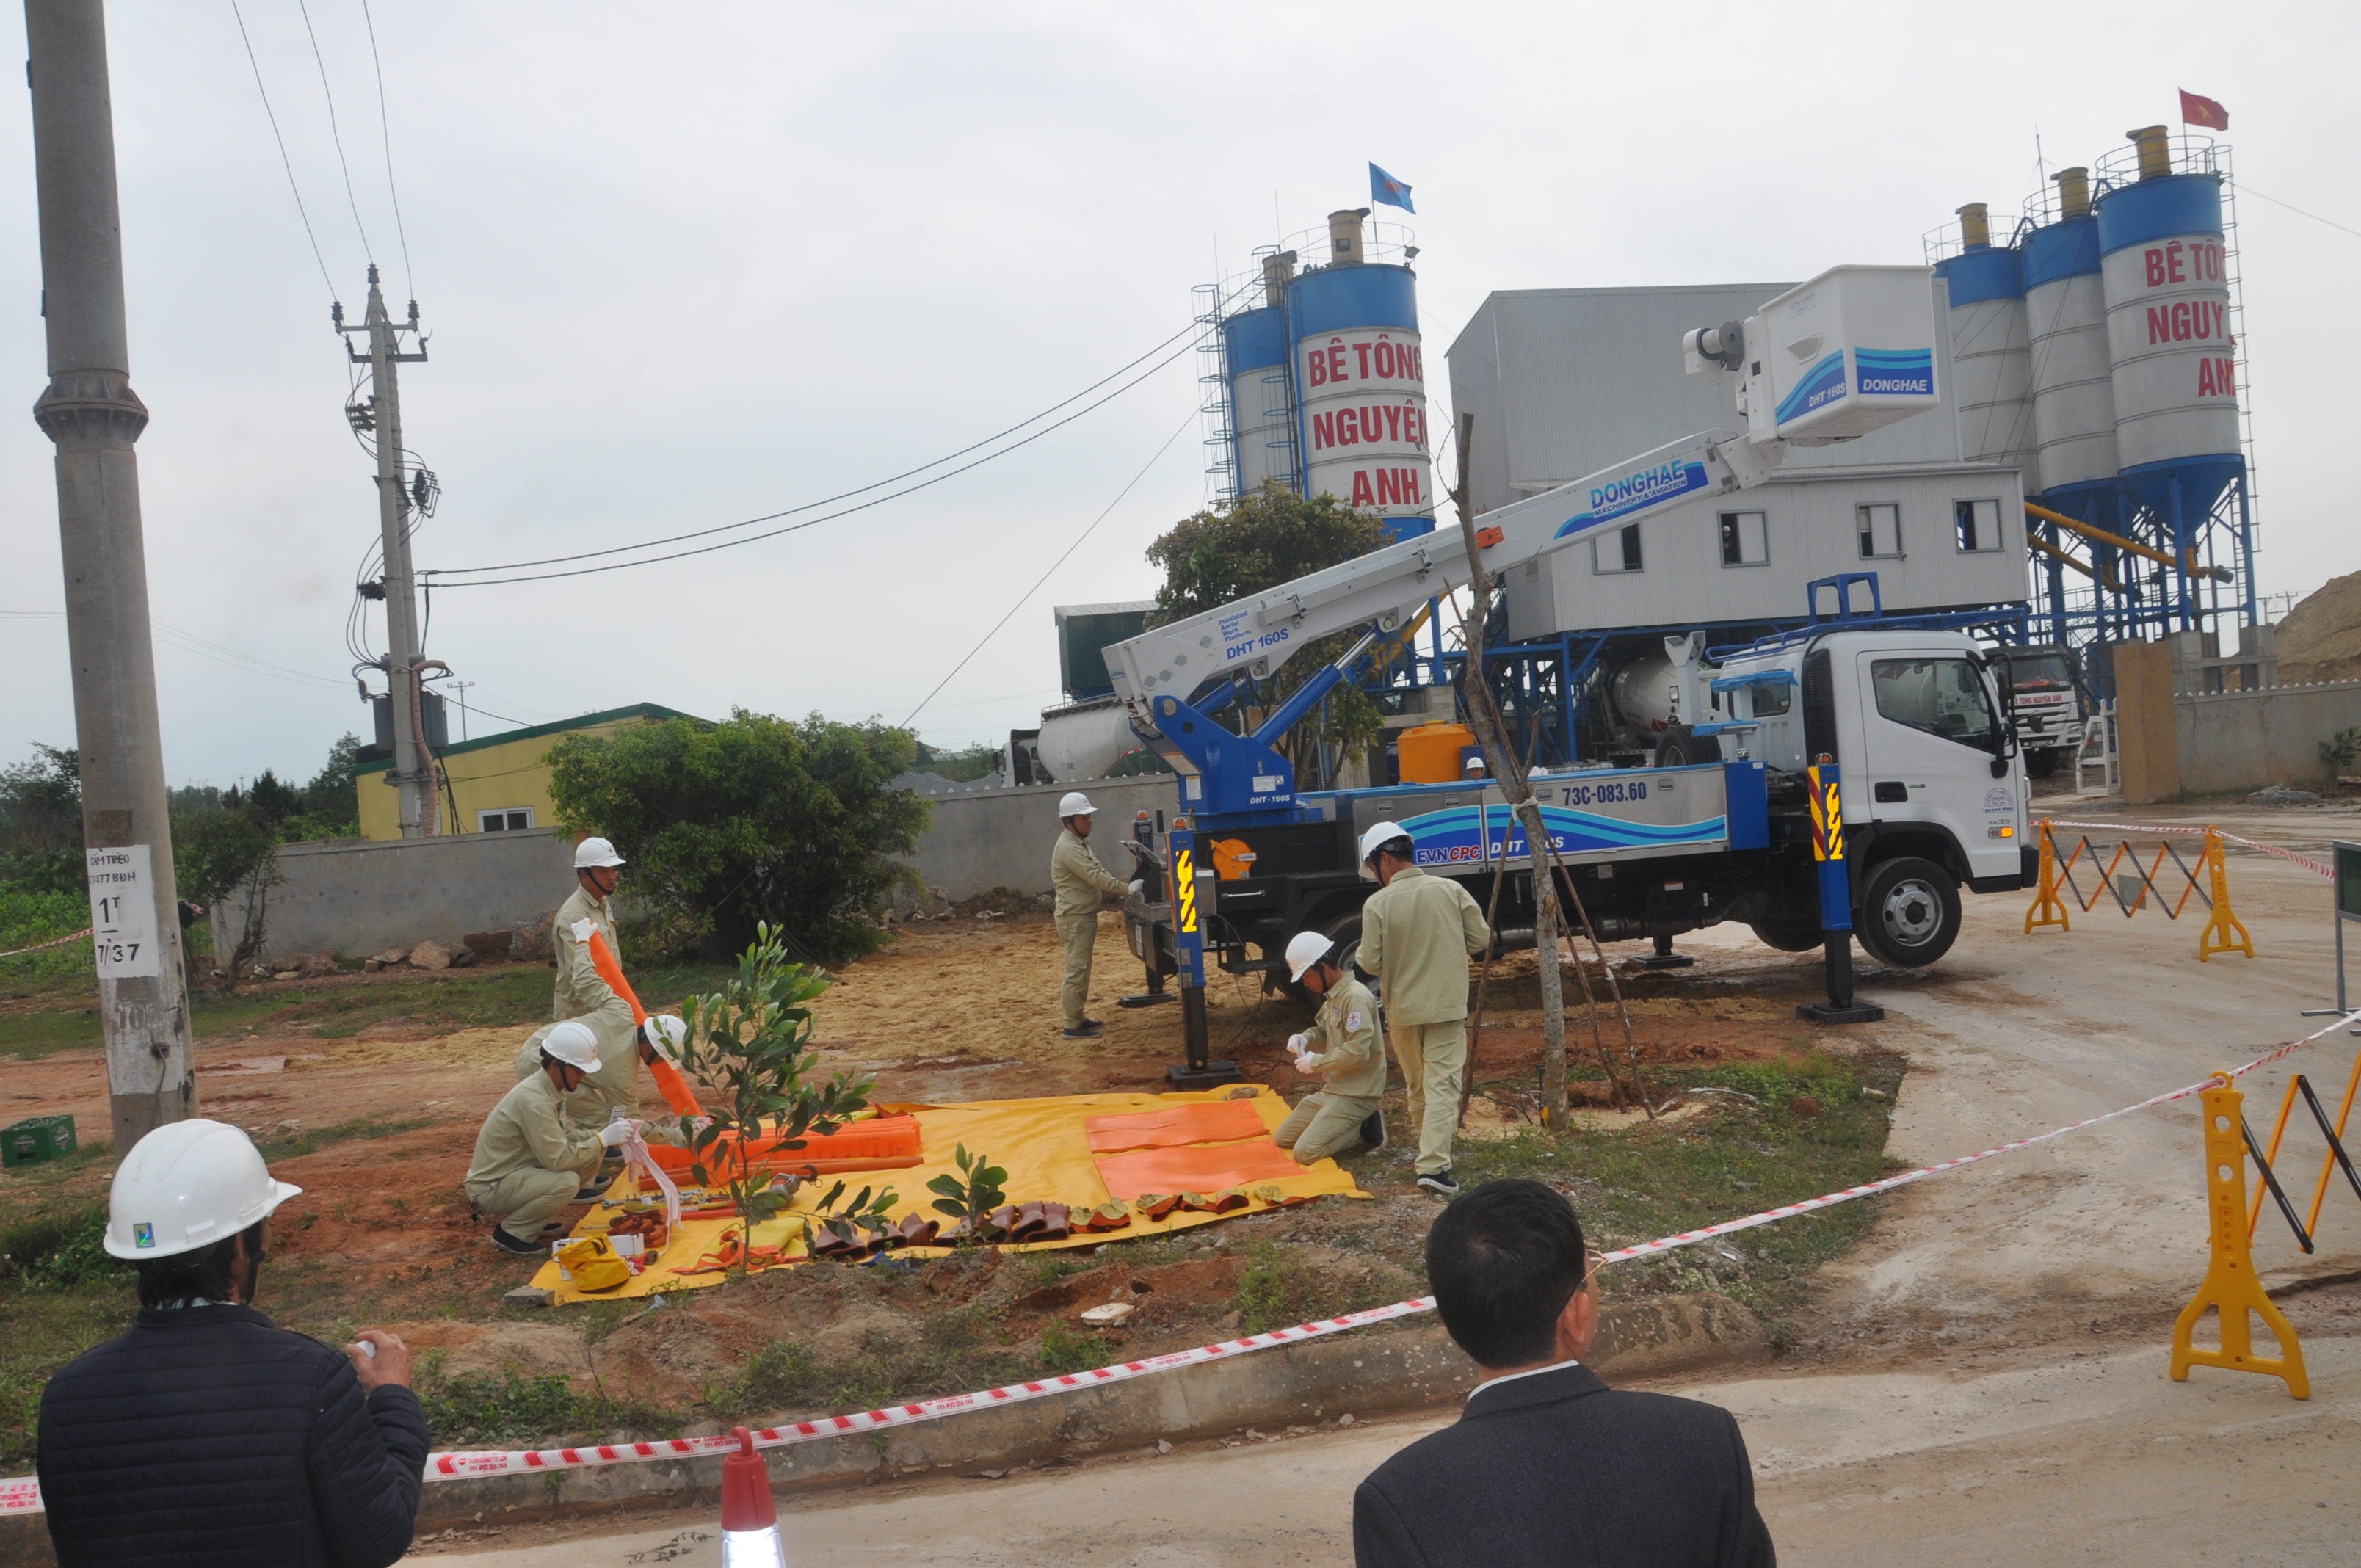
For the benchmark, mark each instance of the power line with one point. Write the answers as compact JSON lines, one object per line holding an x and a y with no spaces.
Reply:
{"x":203,"y":648}
{"x":1060,"y":561}
{"x":826,"y":516}
{"x":2247,"y":189}
{"x":284,"y":160}
{"x":827,"y":500}
{"x":334,"y":135}
{"x":385,"y":129}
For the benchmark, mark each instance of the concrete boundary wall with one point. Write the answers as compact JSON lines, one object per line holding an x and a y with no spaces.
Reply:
{"x":358,"y":896}
{"x":2177,"y":744}
{"x":1002,"y":837}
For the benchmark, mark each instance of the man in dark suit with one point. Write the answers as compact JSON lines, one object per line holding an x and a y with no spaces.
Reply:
{"x":1547,"y":1464}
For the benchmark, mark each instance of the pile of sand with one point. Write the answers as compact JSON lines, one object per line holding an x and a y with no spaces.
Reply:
{"x":2320,"y":638}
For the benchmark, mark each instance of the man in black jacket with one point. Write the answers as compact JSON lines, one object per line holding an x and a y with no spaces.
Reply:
{"x":205,"y":1437}
{"x":1547,"y":1464}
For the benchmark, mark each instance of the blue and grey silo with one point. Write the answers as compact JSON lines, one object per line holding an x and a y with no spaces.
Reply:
{"x":1360,"y":378}
{"x":1992,"y":356}
{"x":2167,"y":293}
{"x":1255,"y":363}
{"x":2072,"y":372}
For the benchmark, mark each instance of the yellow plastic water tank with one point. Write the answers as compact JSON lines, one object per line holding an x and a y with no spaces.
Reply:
{"x":1429,"y":753}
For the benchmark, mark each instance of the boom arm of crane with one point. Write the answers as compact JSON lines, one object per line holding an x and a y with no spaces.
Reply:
{"x":1830,"y":359}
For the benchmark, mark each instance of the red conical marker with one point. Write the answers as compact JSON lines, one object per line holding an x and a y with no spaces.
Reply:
{"x":749,"y":1523}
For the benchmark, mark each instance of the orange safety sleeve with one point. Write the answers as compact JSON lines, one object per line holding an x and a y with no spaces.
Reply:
{"x":675,"y":1088}
{"x":610,"y":970}
{"x":669,"y":1082}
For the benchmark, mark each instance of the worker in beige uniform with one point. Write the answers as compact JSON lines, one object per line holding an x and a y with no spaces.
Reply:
{"x":1417,"y":934}
{"x":531,"y":1159}
{"x":1345,"y":1114}
{"x":1078,"y":879}
{"x":595,"y":872}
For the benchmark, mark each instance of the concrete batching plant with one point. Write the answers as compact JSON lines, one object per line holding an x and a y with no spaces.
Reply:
{"x":2097,"y":346}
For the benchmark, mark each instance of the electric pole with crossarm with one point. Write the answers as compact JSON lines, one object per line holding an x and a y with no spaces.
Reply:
{"x":413,"y":771}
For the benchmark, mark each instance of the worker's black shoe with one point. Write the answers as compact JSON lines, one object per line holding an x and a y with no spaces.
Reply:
{"x":591,"y":1194}
{"x":1440,"y":1183}
{"x":1093,"y":1023}
{"x":1373,"y":1132}
{"x":508,"y":1243}
{"x":1088,"y":1031}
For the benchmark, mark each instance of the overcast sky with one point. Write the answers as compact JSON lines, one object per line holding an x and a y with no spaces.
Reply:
{"x":684,"y":265}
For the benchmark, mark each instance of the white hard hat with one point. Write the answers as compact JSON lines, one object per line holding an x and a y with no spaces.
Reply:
{"x":595,"y":852}
{"x":1379,"y":837}
{"x":572,"y":1044}
{"x":1304,"y":949}
{"x":665,"y":1031}
{"x":188,"y":1185}
{"x":1076,"y":803}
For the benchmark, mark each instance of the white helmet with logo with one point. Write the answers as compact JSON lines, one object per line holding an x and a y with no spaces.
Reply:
{"x":1076,"y":803}
{"x":665,"y":1031}
{"x":1383,"y":836}
{"x":572,"y":1044}
{"x":1304,"y":949}
{"x":188,"y":1185}
{"x":595,"y":853}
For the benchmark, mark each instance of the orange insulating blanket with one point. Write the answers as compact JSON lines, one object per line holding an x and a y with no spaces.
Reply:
{"x":1195,"y":1169}
{"x":883,"y":1143}
{"x":669,"y":1082}
{"x":1209,"y":1122}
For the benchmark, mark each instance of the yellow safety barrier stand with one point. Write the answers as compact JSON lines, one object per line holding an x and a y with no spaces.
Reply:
{"x":2224,"y":933}
{"x":2230,"y":1286}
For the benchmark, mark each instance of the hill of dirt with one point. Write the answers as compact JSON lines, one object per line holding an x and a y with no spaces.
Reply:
{"x":2320,"y":638}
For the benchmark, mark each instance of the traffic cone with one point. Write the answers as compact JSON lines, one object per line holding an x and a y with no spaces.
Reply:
{"x":749,"y":1524}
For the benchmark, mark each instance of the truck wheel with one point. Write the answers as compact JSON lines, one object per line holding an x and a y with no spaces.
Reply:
{"x":1678,"y":746}
{"x":1788,"y":939}
{"x":2041,"y":765}
{"x":1909,"y":912}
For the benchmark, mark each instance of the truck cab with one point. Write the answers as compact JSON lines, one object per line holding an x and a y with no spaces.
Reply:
{"x":2043,"y":704}
{"x":1934,"y":793}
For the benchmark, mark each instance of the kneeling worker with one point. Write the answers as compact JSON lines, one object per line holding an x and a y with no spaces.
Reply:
{"x":531,"y":1160}
{"x":614,"y":1084}
{"x":1343,"y":1115}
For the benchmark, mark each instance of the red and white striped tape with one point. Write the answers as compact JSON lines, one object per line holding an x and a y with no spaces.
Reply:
{"x":45,"y":946}
{"x":23,"y":1495}
{"x":2306,"y":862}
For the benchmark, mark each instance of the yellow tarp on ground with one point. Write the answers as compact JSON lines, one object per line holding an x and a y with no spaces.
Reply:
{"x":1042,"y":1143}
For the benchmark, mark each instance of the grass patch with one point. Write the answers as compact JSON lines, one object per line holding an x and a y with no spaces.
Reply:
{"x":63,"y":1015}
{"x":311,"y":1140}
{"x":1805,"y":1127}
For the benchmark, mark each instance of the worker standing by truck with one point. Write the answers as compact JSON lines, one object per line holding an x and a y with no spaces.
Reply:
{"x":1417,"y":934}
{"x":596,"y":870}
{"x":1079,"y":882}
{"x":1346,"y":1113}
{"x":531,"y":1160}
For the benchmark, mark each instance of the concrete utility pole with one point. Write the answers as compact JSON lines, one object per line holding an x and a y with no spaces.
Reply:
{"x":414,"y":762}
{"x":92,"y":414}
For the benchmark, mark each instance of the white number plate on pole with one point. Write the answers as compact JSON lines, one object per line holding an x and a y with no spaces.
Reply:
{"x":123,"y":913}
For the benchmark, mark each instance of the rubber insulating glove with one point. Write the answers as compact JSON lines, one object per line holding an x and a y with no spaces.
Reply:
{"x":615,"y":1135}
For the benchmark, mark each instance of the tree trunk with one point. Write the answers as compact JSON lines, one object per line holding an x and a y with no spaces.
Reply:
{"x":1506,"y":769}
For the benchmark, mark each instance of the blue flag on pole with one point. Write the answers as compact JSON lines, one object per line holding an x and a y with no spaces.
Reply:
{"x":1385,"y":187}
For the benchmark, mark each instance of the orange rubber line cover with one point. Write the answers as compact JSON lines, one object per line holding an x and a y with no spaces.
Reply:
{"x":1194,"y":1169}
{"x":1209,"y":1122}
{"x":885,"y":1143}
{"x":610,"y":970}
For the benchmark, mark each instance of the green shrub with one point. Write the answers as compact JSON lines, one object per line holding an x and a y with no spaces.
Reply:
{"x":57,"y":1250}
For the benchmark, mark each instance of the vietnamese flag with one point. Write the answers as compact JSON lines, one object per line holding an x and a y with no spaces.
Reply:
{"x":2196,"y":111}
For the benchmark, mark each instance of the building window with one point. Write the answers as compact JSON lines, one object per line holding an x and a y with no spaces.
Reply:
{"x":1881,"y":530}
{"x":1617,"y":551}
{"x":1745,"y":539}
{"x":1979,"y":525}
{"x":509,"y":820}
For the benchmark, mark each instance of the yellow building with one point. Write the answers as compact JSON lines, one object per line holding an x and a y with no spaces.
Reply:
{"x":497,"y":783}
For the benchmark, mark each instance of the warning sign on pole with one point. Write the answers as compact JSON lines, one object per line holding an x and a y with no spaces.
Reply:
{"x":123,"y":913}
